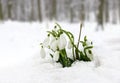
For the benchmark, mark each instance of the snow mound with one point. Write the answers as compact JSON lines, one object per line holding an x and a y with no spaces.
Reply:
{"x":20,"y":60}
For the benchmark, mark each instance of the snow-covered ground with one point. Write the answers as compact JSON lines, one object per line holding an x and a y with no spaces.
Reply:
{"x":20,"y":60}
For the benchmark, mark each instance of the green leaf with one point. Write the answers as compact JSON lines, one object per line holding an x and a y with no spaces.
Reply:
{"x":85,"y":38}
{"x":51,"y":33}
{"x":51,"y":55}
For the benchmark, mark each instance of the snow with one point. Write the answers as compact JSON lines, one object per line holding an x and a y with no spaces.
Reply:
{"x":20,"y":60}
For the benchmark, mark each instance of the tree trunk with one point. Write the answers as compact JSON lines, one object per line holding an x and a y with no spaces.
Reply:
{"x":9,"y":9}
{"x":22,"y":5}
{"x":82,"y":12}
{"x":32,"y":11}
{"x":1,"y":12}
{"x":54,"y":9}
{"x":119,"y":9}
{"x":100,"y":14}
{"x":106,"y":11}
{"x":114,"y":20}
{"x":71,"y":12}
{"x":39,"y":10}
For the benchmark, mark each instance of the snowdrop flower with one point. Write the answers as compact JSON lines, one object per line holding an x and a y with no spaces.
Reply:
{"x":89,"y":54}
{"x":42,"y":52}
{"x":62,"y":42}
{"x":52,"y":38}
{"x":69,"y":45}
{"x":69,"y":54}
{"x":46,"y":42}
{"x":54,"y":45}
{"x":56,"y":28}
{"x":88,"y":43}
{"x":56,"y":56}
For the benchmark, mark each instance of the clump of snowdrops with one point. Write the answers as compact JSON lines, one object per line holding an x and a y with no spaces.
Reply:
{"x":63,"y":48}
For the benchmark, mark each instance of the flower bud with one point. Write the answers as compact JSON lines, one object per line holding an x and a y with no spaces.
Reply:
{"x":62,"y":42}
{"x":42,"y":53}
{"x":88,"y":43}
{"x":56,"y":56}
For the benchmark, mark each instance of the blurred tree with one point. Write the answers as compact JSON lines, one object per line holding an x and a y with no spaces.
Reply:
{"x":87,"y":8}
{"x":67,"y":10}
{"x":106,"y":11}
{"x":114,"y":12}
{"x":48,"y":9}
{"x":62,"y":10}
{"x":54,"y":7}
{"x":14,"y":10}
{"x":9,"y":6}
{"x":71,"y":11}
{"x":1,"y":12}
{"x":32,"y":11}
{"x":39,"y":10}
{"x":100,"y":15}
{"x":82,"y":11}
{"x":22,"y":9}
{"x":119,"y":9}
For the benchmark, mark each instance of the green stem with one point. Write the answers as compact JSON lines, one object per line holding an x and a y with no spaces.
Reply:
{"x":64,"y":59}
{"x":76,"y":50}
{"x":79,"y":35}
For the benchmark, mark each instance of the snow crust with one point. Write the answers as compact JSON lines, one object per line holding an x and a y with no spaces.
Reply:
{"x":20,"y":60}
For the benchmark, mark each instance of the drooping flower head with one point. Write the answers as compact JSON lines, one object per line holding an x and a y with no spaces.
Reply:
{"x":62,"y":42}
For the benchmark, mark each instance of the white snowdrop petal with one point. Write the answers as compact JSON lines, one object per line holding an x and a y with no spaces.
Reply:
{"x":69,"y":45}
{"x":88,"y":43}
{"x":42,"y":53}
{"x":56,"y":56}
{"x":52,"y":38}
{"x":56,"y":29}
{"x":46,"y":42}
{"x":62,"y":42}
{"x":69,"y":54}
{"x":54,"y":45}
